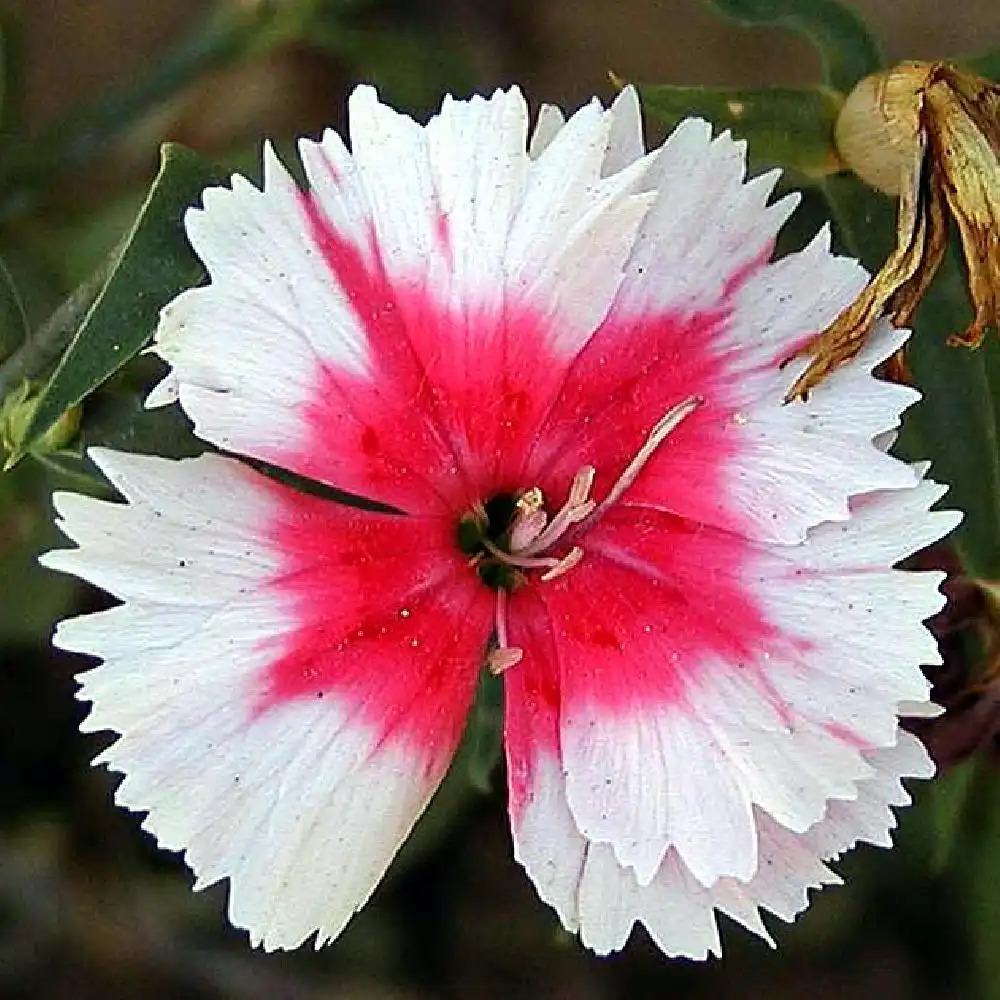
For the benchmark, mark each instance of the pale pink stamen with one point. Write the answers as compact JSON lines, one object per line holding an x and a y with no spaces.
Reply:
{"x":663,"y":429}
{"x":504,"y":656}
{"x":568,"y":561}
{"x":527,"y":526}
{"x":577,"y":507}
{"x":519,"y":560}
{"x":530,"y":535}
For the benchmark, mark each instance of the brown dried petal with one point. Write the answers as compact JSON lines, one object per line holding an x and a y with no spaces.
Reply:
{"x":955,"y":167}
{"x":962,"y":117}
{"x":921,"y":239}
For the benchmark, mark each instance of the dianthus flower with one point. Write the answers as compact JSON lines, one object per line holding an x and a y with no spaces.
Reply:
{"x":555,"y":372}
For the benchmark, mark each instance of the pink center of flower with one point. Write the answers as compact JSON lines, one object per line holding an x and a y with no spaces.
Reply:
{"x":462,"y":417}
{"x":508,"y":537}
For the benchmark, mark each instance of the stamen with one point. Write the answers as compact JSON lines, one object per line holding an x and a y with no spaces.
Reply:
{"x":527,"y":526}
{"x":500,"y":618}
{"x":577,"y":507}
{"x":529,"y":533}
{"x":564,"y":565}
{"x":503,"y":657}
{"x":663,"y":429}
{"x":520,"y":560}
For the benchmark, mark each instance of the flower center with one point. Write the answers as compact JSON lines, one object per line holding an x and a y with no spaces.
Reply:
{"x":509,"y":536}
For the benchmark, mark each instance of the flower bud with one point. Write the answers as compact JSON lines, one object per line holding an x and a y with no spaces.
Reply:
{"x":877,"y":130}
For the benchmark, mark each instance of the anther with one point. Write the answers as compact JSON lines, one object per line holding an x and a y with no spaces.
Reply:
{"x":530,"y":500}
{"x":500,"y":660}
{"x":577,"y":507}
{"x":564,"y":565}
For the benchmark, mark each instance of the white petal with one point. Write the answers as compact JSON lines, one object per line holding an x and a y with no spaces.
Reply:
{"x":670,"y":748}
{"x":575,"y":229}
{"x":625,"y":142}
{"x":478,"y":184}
{"x":644,"y":781}
{"x":301,"y":800}
{"x":700,"y":292}
{"x":798,"y":724}
{"x":824,"y":446}
{"x":247,"y":347}
{"x":550,"y":120}
{"x":299,"y":808}
{"x":393,"y":167}
{"x":165,"y":392}
{"x":705,"y":226}
{"x":547,"y":842}
{"x":856,"y":621}
{"x":678,"y":911}
{"x":323,"y":300}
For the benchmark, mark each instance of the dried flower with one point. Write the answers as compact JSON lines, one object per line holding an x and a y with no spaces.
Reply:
{"x":930,"y":133}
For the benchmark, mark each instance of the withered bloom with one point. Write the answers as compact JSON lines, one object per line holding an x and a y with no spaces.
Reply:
{"x":929,"y":133}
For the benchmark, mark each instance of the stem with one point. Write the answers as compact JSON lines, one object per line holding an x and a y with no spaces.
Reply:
{"x":41,"y":348}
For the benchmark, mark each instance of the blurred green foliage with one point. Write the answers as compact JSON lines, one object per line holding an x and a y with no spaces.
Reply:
{"x":789,"y":127}
{"x":846,"y":47}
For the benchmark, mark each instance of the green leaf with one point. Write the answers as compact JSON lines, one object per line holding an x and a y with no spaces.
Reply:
{"x":785,"y":126}
{"x":978,"y":873}
{"x":228,"y":33}
{"x":956,"y":423}
{"x":987,"y":64}
{"x":115,"y":417}
{"x":152,"y":266}
{"x":411,"y":65}
{"x":846,"y":47}
{"x":32,"y":596}
{"x":4,"y":72}
{"x":947,"y":800}
{"x":11,"y":76}
{"x":864,"y":220}
{"x":453,"y":798}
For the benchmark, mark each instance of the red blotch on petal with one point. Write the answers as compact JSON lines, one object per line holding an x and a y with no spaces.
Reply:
{"x":387,"y":619}
{"x":531,"y":701}
{"x":630,"y":374}
{"x":442,"y":233}
{"x":847,"y":736}
{"x":655,"y":602}
{"x":454,"y":396}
